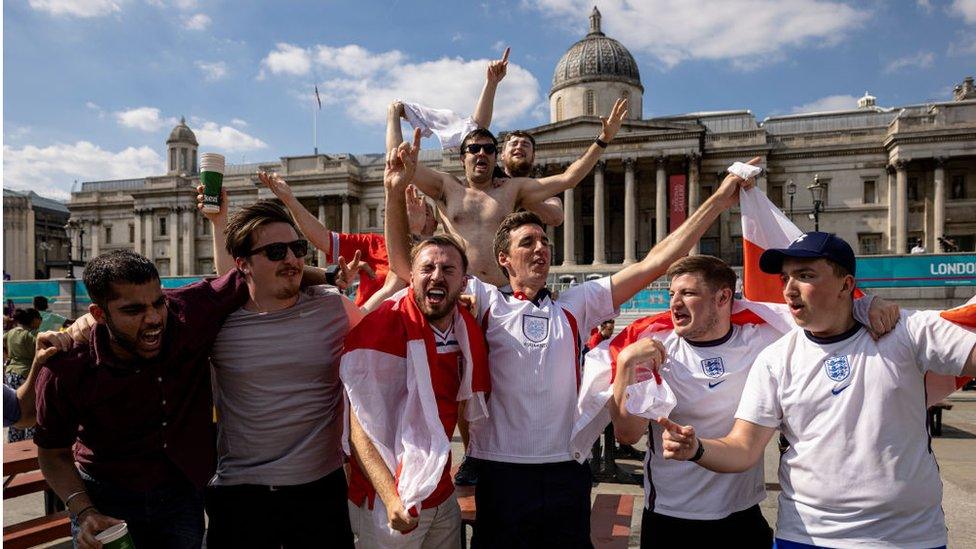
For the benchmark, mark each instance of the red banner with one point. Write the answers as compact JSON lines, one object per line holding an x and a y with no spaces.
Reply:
{"x":678,"y":201}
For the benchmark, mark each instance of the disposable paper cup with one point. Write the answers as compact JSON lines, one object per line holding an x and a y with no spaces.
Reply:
{"x":212,"y":177}
{"x":116,"y":537}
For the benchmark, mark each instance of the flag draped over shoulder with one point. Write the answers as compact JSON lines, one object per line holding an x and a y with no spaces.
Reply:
{"x":937,"y":387}
{"x":763,"y":227}
{"x":648,"y":398}
{"x":385,"y":369}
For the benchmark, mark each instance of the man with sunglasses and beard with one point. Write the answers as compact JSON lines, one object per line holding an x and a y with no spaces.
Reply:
{"x":473,"y":208}
{"x":124,"y":421}
{"x":279,"y":480}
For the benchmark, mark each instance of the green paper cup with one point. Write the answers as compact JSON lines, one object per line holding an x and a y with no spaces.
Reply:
{"x":116,"y":537}
{"x":212,"y":177}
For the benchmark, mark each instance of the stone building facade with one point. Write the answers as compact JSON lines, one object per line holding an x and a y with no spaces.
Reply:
{"x":893,"y":175}
{"x":35,"y":244}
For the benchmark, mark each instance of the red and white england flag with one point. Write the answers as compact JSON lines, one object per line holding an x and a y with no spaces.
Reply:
{"x":764,"y":227}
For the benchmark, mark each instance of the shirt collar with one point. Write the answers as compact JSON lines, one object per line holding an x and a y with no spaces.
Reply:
{"x":539,"y":296}
{"x":835,"y":338}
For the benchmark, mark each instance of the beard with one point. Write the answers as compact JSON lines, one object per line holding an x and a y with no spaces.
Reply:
{"x":518,"y":167}
{"x":439,"y":311}
{"x":130,"y":344}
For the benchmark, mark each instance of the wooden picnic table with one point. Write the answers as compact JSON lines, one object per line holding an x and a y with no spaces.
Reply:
{"x":19,"y":457}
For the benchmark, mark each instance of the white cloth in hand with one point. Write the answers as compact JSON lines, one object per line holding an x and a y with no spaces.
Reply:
{"x":745,"y":171}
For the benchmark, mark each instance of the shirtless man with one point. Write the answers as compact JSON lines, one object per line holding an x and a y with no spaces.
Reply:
{"x":473,"y":208}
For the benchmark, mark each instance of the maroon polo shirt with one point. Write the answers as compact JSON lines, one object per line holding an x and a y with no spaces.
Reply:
{"x":142,"y":424}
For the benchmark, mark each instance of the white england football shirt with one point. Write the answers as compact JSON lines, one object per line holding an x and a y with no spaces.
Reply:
{"x":533,"y":357}
{"x":859,"y":469}
{"x":707,"y":381}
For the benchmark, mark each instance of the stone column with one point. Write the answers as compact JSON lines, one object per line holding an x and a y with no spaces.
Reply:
{"x":693,"y":188}
{"x":321,"y":255}
{"x":137,"y":234}
{"x":148,"y":229}
{"x":569,"y":227}
{"x":346,"y":215}
{"x":630,"y":212}
{"x":661,"y":200}
{"x":901,"y":207}
{"x":174,"y":241}
{"x":94,"y":227}
{"x":940,"y":203}
{"x":189,"y":242}
{"x":892,"y":193}
{"x":599,"y":224}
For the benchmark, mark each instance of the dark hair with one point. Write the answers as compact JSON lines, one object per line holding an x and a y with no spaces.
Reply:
{"x":242,"y":224}
{"x":24,"y":317}
{"x":512,"y":221}
{"x":40,"y":303}
{"x":440,"y":240}
{"x":116,"y":267}
{"x":520,"y":133}
{"x":715,"y":272}
{"x":477,"y":132}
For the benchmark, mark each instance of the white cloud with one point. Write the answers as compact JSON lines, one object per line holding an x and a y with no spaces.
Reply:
{"x":76,"y":8}
{"x":214,"y":136}
{"x":498,"y":46}
{"x":355,"y":60}
{"x":965,"y":45}
{"x":920,"y":60}
{"x":212,"y":71}
{"x":286,"y":59}
{"x":749,"y":33}
{"x":365,"y":82}
{"x":146,"y":119}
{"x":456,"y":37}
{"x":185,"y":5}
{"x":965,"y":8}
{"x":828,"y":103}
{"x":924,"y":5}
{"x":238,"y":122}
{"x":51,"y":170}
{"x":94,"y":107}
{"x":199,"y":21}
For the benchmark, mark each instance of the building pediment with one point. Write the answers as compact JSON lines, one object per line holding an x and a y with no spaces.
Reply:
{"x":585,"y":128}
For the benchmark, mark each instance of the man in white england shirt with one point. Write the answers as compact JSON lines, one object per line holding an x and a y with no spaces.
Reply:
{"x":710,"y":345}
{"x":859,"y":470}
{"x":534,"y":485}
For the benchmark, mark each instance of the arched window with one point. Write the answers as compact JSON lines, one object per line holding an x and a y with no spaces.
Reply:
{"x":590,"y":103}
{"x":559,"y":109}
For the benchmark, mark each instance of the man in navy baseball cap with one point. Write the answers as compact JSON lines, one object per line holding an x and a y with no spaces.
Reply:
{"x":812,"y":245}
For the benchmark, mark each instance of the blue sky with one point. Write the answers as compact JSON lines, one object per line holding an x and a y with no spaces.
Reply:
{"x":91,"y":88}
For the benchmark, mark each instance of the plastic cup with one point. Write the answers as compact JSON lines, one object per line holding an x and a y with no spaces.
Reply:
{"x":212,"y":177}
{"x":116,"y":537}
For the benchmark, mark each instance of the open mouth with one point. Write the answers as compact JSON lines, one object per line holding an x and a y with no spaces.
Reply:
{"x":795,"y":308}
{"x":436,"y":296}
{"x":288,"y":272}
{"x":680,"y":318}
{"x":151,"y":338}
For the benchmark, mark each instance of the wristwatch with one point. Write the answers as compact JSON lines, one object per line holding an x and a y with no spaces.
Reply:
{"x":700,"y":452}
{"x":601,"y":143}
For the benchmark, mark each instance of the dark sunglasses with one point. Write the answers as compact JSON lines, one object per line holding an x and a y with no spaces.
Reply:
{"x":475,"y":148}
{"x":277,"y":251}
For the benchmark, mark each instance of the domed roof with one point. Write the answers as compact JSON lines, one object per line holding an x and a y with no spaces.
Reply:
{"x":182,"y":134}
{"x":595,"y":58}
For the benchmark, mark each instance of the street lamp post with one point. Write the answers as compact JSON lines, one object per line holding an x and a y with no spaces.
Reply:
{"x":791,"y":190}
{"x":816,"y":191}
{"x":70,"y":227}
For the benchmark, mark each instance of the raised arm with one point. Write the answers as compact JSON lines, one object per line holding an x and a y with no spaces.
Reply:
{"x":632,"y":279}
{"x":550,"y":211}
{"x":735,"y":452}
{"x":430,"y":182}
{"x":401,"y":164}
{"x":486,"y":102}
{"x":312,"y":228}
{"x":536,"y":190}
{"x":394,"y":133}
{"x":223,"y":262}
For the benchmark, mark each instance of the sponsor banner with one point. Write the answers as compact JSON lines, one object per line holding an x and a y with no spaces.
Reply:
{"x":677,"y":200}
{"x":907,"y":271}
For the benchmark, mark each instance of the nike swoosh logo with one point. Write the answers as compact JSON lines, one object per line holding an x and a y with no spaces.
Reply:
{"x":836,"y":392}
{"x":716,"y":384}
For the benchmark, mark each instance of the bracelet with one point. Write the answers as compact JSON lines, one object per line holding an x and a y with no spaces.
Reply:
{"x":700,"y":452}
{"x":72,"y":496}
{"x":601,"y":143}
{"x":82,"y":512}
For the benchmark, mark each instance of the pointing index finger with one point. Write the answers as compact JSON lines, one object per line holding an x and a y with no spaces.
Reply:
{"x":505,"y":55}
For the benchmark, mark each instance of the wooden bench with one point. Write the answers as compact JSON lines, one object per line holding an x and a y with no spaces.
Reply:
{"x":20,"y":463}
{"x":935,"y":417}
{"x":610,"y":518}
{"x":37,"y":531}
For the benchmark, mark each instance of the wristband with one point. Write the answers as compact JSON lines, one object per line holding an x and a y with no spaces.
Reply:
{"x":700,"y":452}
{"x":79,"y":514}
{"x":601,"y":143}
{"x":72,"y":496}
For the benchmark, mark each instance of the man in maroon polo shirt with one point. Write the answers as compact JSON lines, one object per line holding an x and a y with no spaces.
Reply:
{"x":132,"y":407}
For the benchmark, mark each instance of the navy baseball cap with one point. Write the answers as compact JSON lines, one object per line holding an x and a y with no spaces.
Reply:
{"x":811,"y":245}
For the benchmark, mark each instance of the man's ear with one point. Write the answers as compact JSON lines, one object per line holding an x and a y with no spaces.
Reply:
{"x":725,"y":296}
{"x":241,"y":264}
{"x":503,"y":260}
{"x":97,"y":312}
{"x":849,"y":284}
